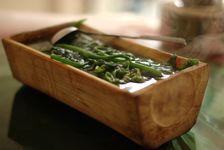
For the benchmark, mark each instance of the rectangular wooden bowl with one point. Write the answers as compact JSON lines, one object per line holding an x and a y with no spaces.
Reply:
{"x":149,"y":117}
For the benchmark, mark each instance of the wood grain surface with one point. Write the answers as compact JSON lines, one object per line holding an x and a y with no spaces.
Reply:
{"x":149,"y":117}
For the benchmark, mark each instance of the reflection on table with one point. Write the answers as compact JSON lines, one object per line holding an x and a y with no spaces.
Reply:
{"x":41,"y":122}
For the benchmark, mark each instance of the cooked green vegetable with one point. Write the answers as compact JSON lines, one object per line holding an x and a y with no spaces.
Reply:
{"x":180,"y":64}
{"x":133,"y":64}
{"x":89,"y":54}
{"x":151,"y":71}
{"x":113,"y":65}
{"x":66,"y":61}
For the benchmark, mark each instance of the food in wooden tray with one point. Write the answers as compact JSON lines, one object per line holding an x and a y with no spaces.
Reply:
{"x":113,"y":65}
{"x":150,"y":115}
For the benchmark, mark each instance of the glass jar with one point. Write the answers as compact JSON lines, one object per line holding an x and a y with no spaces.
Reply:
{"x":190,"y":18}
{"x":190,"y":3}
{"x":200,"y":22}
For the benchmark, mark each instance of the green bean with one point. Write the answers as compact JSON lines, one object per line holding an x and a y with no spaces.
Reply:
{"x":89,"y":54}
{"x":152,"y":72}
{"x":66,"y":61}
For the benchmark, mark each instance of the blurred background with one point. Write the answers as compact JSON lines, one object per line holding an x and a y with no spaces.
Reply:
{"x":77,"y":6}
{"x":200,"y":22}
{"x":131,"y":17}
{"x":63,"y":10}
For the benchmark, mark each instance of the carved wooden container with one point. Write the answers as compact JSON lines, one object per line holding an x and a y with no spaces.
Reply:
{"x":150,"y":116}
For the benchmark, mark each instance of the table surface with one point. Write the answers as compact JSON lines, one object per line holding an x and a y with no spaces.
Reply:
{"x":31,"y":120}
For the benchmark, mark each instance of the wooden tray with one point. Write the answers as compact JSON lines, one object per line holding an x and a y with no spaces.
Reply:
{"x":149,"y":117}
